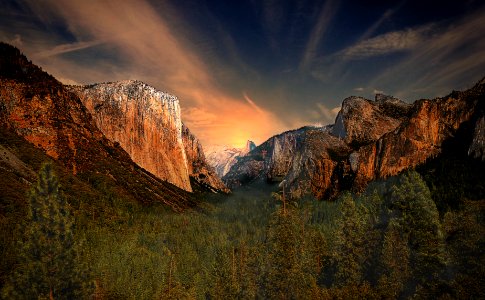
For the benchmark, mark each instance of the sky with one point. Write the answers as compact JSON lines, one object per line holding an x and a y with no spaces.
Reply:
{"x":252,"y":69}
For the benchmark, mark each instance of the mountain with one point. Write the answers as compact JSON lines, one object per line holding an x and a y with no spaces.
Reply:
{"x":147,"y":124}
{"x":371,"y":139}
{"x":223,"y":158}
{"x":37,"y":110}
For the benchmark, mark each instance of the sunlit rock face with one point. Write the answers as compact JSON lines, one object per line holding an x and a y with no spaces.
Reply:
{"x":145,"y":122}
{"x":38,"y":109}
{"x":50,"y":118}
{"x":420,"y":137}
{"x":369,"y":140}
{"x":223,"y":158}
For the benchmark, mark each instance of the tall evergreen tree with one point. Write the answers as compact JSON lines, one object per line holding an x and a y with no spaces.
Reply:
{"x":419,"y":219}
{"x":286,"y":277}
{"x":49,"y":264}
{"x":350,"y":243}
{"x":394,"y":261}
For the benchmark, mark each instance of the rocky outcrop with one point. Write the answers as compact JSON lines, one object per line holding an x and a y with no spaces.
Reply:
{"x":198,"y":168}
{"x":369,"y":140}
{"x":362,"y":121}
{"x":419,"y":138}
{"x":223,"y":158}
{"x":39,"y":109}
{"x":147,"y":124}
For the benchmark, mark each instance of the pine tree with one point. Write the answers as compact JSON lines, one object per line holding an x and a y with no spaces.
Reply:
{"x":286,"y":277}
{"x":49,"y":264}
{"x":350,"y":249}
{"x":419,"y":219}
{"x":224,"y":284}
{"x":394,"y":261}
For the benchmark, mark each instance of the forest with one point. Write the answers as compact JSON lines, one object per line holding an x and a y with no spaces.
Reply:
{"x":389,"y":242}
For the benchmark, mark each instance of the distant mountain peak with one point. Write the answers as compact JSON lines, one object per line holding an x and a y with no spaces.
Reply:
{"x":250,"y":146}
{"x":222,"y":158}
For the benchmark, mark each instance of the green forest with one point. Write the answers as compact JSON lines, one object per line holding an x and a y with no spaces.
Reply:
{"x":389,"y":242}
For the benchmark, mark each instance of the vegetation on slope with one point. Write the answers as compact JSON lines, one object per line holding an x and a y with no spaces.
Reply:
{"x":389,"y":242}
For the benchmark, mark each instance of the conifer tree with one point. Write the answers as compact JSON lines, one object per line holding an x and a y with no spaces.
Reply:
{"x":419,"y":219}
{"x":49,"y":264}
{"x":350,"y":249}
{"x":224,"y":284}
{"x":394,"y":261}
{"x":286,"y":277}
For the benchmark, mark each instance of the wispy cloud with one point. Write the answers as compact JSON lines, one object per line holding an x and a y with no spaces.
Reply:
{"x":448,"y":59}
{"x":323,"y":114}
{"x":329,"y":114}
{"x":327,"y":13}
{"x":66,"y":48}
{"x":385,"y":17}
{"x":148,"y":48}
{"x":436,"y":58}
{"x":253,"y":105}
{"x":388,"y":43}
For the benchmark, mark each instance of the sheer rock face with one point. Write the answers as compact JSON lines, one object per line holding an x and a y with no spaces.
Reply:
{"x":198,"y":167}
{"x":50,"y":118}
{"x":369,"y":140}
{"x":147,"y":124}
{"x":417,"y":139}
{"x":302,"y":157}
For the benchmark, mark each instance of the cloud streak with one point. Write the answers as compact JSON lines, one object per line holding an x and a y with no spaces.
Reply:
{"x":451,"y":57}
{"x":151,"y":50}
{"x":318,"y":33}
{"x":66,"y":48}
{"x":434,"y":59}
{"x":387,"y":43}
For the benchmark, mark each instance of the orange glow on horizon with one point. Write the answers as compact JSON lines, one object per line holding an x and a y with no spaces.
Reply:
{"x":230,"y":122}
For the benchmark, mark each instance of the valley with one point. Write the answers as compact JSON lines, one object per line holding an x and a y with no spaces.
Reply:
{"x":107,"y":194}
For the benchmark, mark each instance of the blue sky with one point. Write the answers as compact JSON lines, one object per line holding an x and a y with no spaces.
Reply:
{"x":251,"y":69}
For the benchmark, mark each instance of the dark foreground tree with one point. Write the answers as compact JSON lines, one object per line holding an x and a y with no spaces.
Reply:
{"x":416,"y":216}
{"x":286,"y":276}
{"x":49,"y":264}
{"x":350,"y":243}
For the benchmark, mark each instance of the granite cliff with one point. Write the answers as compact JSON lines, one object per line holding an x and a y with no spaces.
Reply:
{"x":147,"y":124}
{"x":38,"y":109}
{"x":369,"y":140}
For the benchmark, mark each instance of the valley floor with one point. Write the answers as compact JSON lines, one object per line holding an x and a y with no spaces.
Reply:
{"x":390,"y":242}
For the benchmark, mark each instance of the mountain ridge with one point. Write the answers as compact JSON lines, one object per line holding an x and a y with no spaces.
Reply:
{"x":147,"y":123}
{"x":370,"y":139}
{"x":43,"y":112}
